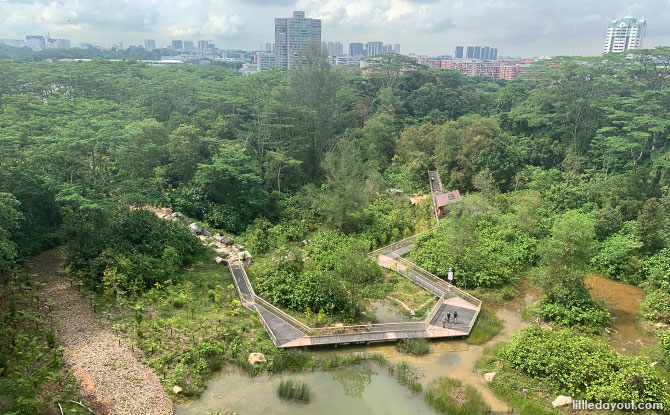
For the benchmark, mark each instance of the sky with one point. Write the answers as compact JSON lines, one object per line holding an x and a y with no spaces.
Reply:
{"x":516,"y":27}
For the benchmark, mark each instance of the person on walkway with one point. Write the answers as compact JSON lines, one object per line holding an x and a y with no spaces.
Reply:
{"x":448,"y":316}
{"x":455,"y":315}
{"x":444,"y":322}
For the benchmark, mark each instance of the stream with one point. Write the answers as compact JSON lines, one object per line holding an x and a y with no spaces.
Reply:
{"x":367,"y":389}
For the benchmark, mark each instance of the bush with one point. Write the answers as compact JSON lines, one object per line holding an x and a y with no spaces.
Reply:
{"x":584,"y":367}
{"x":298,"y":391}
{"x":414,"y":347}
{"x":449,"y":396}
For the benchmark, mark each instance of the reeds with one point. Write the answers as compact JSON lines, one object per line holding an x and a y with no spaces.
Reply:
{"x":297,"y":391}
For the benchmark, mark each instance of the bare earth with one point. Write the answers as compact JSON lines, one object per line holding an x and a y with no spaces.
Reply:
{"x":111,"y":378}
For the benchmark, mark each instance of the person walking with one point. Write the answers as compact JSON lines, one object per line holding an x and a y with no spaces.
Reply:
{"x":448,"y":316}
{"x":444,"y":322}
{"x":455,"y":315}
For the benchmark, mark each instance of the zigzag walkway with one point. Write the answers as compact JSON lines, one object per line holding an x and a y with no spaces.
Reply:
{"x":285,"y":331}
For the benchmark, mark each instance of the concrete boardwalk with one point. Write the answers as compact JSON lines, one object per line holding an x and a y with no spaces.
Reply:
{"x":285,"y":331}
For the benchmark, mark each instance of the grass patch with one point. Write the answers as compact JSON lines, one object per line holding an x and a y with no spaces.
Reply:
{"x":194,"y":327}
{"x":290,"y":390}
{"x":291,"y":360}
{"x":414,"y":347}
{"x":485,"y":328}
{"x":406,"y":375}
{"x":450,"y":396}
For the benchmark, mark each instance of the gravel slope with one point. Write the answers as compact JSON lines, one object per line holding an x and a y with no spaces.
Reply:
{"x":111,"y":378}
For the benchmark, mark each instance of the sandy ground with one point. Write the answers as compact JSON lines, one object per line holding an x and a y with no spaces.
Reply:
{"x":111,"y":378}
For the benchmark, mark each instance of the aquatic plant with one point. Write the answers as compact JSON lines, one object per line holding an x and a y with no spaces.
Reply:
{"x":414,"y":347}
{"x":297,"y":391}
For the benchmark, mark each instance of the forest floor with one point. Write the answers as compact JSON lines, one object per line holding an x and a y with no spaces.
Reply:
{"x":111,"y":378}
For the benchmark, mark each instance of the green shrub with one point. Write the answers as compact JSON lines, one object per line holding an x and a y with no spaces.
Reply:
{"x":449,"y":396}
{"x":414,"y":347}
{"x":297,"y":391}
{"x":584,"y":366}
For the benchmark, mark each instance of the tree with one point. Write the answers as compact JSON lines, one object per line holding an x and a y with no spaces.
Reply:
{"x":388,"y":68}
{"x":233,"y":180}
{"x":356,"y":270}
{"x":346,"y":194}
{"x":10,"y":218}
{"x":652,"y":226}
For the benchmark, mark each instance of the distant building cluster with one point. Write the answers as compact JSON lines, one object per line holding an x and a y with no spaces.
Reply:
{"x":625,"y":34}
{"x":496,"y":69}
{"x":38,"y":42}
{"x":485,"y":53}
{"x":294,"y":34}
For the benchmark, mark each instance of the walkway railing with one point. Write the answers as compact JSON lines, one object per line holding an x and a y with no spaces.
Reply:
{"x":438,"y":281}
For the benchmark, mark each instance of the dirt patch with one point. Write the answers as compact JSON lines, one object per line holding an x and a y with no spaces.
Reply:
{"x":111,"y":377}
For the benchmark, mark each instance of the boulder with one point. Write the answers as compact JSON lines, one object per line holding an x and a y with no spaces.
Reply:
{"x":652,"y":364}
{"x":206,"y":232}
{"x":256,"y":358}
{"x":489,"y":376}
{"x":226,"y":241}
{"x":561,"y":400}
{"x":219,"y":260}
{"x":186,"y":222}
{"x":176,"y":389}
{"x":167,"y":211}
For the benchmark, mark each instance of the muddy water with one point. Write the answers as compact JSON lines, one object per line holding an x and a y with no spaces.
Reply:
{"x":362,"y":389}
{"x":623,"y":302}
{"x":386,"y":312}
{"x":368,"y":389}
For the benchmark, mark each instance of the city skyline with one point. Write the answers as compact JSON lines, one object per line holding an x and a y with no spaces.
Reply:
{"x":423,"y":27}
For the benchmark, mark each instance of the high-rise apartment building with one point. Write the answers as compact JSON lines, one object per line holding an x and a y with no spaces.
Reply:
{"x":189,"y":46}
{"x":470,"y":54}
{"x":478,"y":52}
{"x":396,"y":48}
{"x":356,"y":49}
{"x":36,"y":42}
{"x":178,"y":44}
{"x":494,"y":54}
{"x":334,"y":48}
{"x":375,"y":48}
{"x":624,"y":34}
{"x":458,"y":53}
{"x":486,"y":53}
{"x":149,"y":44}
{"x":292,"y":34}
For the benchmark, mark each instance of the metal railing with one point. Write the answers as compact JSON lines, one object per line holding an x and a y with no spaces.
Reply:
{"x":439,"y":281}
{"x":394,"y":246}
{"x":283,"y":315}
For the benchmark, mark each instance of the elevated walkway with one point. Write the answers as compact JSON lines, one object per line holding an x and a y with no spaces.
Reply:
{"x":286,"y":331}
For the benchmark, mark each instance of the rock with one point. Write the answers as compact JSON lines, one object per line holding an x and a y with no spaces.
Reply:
{"x":195,"y":228}
{"x":652,"y":364}
{"x":176,"y":389}
{"x":660,"y":325}
{"x":244,"y":255}
{"x":219,"y":260}
{"x":167,"y":211}
{"x":206,"y":232}
{"x":226,"y":241}
{"x":561,"y":400}
{"x":489,"y":376}
{"x":524,"y":392}
{"x":176,"y":214}
{"x":256,"y":358}
{"x":186,"y":222}
{"x":610,"y":331}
